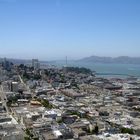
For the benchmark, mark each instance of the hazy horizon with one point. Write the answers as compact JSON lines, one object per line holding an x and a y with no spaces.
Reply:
{"x":63,"y":59}
{"x":54,"y":29}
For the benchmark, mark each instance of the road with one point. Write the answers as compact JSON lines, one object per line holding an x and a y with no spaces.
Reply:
{"x":21,"y":79}
{"x":19,"y":126}
{"x":25,"y":85}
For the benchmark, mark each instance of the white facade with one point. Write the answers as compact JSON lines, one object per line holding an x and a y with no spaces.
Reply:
{"x":14,"y":86}
{"x":35,"y":64}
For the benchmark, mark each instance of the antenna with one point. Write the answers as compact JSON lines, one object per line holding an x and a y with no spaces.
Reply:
{"x":65,"y":67}
{"x":66,"y":61}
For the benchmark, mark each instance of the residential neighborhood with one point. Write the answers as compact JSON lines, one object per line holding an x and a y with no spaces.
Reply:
{"x":66,"y":103}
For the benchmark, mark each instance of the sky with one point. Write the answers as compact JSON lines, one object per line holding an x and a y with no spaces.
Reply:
{"x":54,"y":29}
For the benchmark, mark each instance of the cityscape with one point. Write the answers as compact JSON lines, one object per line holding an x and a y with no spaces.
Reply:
{"x":66,"y":103}
{"x":69,"y":69}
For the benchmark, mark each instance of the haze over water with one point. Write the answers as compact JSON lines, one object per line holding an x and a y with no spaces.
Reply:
{"x":121,"y":69}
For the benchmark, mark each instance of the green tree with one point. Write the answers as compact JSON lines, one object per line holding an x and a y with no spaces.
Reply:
{"x":127,"y":130}
{"x":46,"y":104}
{"x":96,"y":130}
{"x":35,"y":138}
{"x":27,"y":138}
{"x":27,"y":131}
{"x":9,"y":103}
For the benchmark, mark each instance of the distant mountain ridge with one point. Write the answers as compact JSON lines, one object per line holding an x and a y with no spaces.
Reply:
{"x":91,"y":59}
{"x":120,"y":59}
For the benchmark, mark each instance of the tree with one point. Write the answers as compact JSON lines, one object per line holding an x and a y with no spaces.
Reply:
{"x":127,"y":130}
{"x":26,"y":75}
{"x":21,"y":66}
{"x":27,"y":138}
{"x":79,"y":70}
{"x":14,"y":99}
{"x":96,"y":130}
{"x":35,"y":138}
{"x":37,"y":77}
{"x":46,"y":104}
{"x":27,"y":132}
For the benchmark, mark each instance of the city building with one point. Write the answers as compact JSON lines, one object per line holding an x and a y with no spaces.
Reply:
{"x":6,"y":64}
{"x":35,"y":64}
{"x":14,"y":86}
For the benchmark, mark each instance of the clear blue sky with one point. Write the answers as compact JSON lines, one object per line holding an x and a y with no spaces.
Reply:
{"x":53,"y":29}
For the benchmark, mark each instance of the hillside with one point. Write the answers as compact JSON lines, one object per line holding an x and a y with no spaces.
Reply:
{"x":121,"y":60}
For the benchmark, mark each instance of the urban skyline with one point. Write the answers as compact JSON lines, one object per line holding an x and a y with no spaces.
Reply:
{"x":69,"y":69}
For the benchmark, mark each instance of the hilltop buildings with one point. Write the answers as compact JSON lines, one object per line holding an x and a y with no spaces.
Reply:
{"x":50,"y":104}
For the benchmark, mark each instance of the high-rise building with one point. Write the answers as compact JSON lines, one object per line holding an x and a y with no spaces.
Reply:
{"x":14,"y":86}
{"x":6,"y":64}
{"x":35,"y":64}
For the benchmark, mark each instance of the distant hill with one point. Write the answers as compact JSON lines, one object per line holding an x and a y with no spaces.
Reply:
{"x":120,"y":59}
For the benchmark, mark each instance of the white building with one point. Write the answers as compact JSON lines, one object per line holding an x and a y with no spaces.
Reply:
{"x":35,"y":64}
{"x":14,"y":86}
